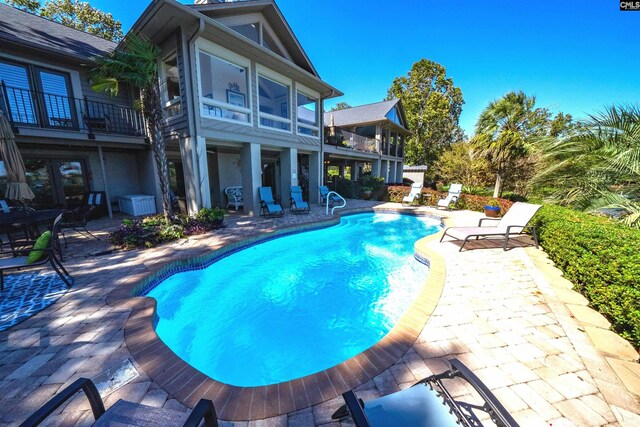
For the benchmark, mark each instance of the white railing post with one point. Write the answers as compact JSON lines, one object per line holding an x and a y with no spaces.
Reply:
{"x":344,"y":202}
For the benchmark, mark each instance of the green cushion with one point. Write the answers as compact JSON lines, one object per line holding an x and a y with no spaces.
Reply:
{"x":37,"y":252}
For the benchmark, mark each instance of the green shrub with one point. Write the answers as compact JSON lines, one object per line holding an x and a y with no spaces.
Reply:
{"x":154,"y":230}
{"x":601,"y":258}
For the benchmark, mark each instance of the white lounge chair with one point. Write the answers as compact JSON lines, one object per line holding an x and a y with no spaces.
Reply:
{"x":452,"y":197}
{"x":414,"y":194}
{"x":235,"y":197}
{"x":514,"y":222}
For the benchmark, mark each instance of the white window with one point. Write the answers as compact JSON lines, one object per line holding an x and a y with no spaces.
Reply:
{"x":170,"y":87}
{"x":258,"y":32}
{"x":224,"y":89}
{"x":307,"y":109}
{"x":274,"y":104}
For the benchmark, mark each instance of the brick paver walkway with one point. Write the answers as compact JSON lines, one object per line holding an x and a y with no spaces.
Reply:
{"x":497,"y":313}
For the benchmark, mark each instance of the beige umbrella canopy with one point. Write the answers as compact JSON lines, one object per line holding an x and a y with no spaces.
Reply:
{"x":17,"y":187}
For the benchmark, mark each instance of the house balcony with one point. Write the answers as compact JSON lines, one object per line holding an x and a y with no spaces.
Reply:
{"x":352,"y":141}
{"x":32,"y":109}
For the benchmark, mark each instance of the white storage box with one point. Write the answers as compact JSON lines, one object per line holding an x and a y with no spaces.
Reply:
{"x":137,"y":204}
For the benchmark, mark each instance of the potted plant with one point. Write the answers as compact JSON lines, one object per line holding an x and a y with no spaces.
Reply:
{"x":492,"y":208}
{"x":366,"y":192}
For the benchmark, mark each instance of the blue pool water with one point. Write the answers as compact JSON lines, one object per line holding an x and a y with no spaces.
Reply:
{"x":294,"y":305}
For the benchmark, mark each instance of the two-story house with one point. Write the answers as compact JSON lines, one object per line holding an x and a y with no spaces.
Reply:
{"x":73,"y":140}
{"x":366,"y":138}
{"x":242,"y":99}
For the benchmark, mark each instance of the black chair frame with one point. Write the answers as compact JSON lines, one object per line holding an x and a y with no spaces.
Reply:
{"x":204,"y":410}
{"x":77,"y":219}
{"x":49,"y":256}
{"x":498,"y":413}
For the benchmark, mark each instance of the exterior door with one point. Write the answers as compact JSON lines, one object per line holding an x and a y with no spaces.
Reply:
{"x":57,"y":182}
{"x":58,"y":105}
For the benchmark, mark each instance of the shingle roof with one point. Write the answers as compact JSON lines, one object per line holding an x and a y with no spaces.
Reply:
{"x":27,"y":29}
{"x":362,"y":114}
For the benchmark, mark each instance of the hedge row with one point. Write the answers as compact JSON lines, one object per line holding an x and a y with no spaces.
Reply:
{"x":430,"y":198}
{"x":601,"y":258}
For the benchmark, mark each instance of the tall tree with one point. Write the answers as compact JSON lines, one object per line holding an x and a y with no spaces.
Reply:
{"x":461,"y":163}
{"x":28,"y":5}
{"x":340,"y":106}
{"x":135,"y":63}
{"x":75,"y":14}
{"x":505,"y":131}
{"x":432,"y":104}
{"x":598,"y":166}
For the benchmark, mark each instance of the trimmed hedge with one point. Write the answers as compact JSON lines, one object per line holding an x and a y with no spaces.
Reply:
{"x":430,"y":198}
{"x":601,"y":258}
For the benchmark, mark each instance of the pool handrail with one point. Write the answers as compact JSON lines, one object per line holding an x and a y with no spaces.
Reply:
{"x":344,"y":202}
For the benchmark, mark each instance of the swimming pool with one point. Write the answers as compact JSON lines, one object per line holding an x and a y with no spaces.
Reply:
{"x":294,"y":305}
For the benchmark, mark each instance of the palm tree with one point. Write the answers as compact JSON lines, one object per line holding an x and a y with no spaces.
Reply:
{"x":135,"y":63}
{"x":505,"y":130}
{"x":599,"y":166}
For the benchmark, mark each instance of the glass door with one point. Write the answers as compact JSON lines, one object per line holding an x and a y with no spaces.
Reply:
{"x":40,"y":179}
{"x":19,"y":96}
{"x":55,"y":91}
{"x":72,"y":182}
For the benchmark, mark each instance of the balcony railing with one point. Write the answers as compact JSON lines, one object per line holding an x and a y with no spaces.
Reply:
{"x":29,"y":108}
{"x":350,"y":140}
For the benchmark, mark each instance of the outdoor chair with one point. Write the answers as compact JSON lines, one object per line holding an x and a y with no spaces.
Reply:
{"x":20,"y":257}
{"x":452,"y":197}
{"x":235,"y":197}
{"x":514,"y":222}
{"x":124,"y":413}
{"x":427,"y":403}
{"x":268,"y":205}
{"x":414,"y":194}
{"x":77,"y":220}
{"x":98,"y":199}
{"x":324,"y":191}
{"x":298,"y":205}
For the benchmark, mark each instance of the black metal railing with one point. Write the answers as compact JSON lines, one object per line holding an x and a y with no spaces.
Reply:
{"x":344,"y":138}
{"x":26,"y":107}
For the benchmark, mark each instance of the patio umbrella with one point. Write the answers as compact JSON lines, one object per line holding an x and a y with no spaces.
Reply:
{"x":17,"y":187}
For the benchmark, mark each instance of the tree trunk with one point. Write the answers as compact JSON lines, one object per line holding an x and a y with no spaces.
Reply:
{"x":498,"y":187}
{"x":152,"y":111}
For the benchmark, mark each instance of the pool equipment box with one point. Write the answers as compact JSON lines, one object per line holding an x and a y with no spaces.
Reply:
{"x":137,"y":204}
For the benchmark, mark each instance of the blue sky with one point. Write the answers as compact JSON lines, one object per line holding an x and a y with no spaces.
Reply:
{"x":575,"y":56}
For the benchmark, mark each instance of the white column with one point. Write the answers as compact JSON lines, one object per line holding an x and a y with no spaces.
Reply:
{"x":385,"y":170}
{"x":289,"y":174}
{"x":189,"y":165}
{"x":251,"y":177}
{"x":354,"y":171}
{"x":399,"y":172}
{"x":203,"y":173}
{"x":376,"y":165}
{"x":392,"y":172}
{"x":315,"y":176}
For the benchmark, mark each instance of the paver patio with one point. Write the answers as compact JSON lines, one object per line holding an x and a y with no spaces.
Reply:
{"x":503,"y":314}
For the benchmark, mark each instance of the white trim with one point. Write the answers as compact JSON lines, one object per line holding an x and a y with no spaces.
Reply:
{"x":253,"y":18}
{"x":225,"y":55}
{"x":268,"y":74}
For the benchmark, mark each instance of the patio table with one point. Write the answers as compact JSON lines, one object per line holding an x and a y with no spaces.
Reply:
{"x":27,"y":221}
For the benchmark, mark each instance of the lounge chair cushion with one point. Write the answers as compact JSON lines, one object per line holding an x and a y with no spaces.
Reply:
{"x":37,"y":252}
{"x":273,"y":208}
{"x":417,"y":406}
{"x":124,"y":413}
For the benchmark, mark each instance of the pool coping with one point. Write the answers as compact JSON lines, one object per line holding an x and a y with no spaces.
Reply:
{"x":188,"y":385}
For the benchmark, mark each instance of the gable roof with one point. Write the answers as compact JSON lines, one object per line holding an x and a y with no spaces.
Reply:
{"x":270,"y":10}
{"x":369,"y":113}
{"x":26,"y":29}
